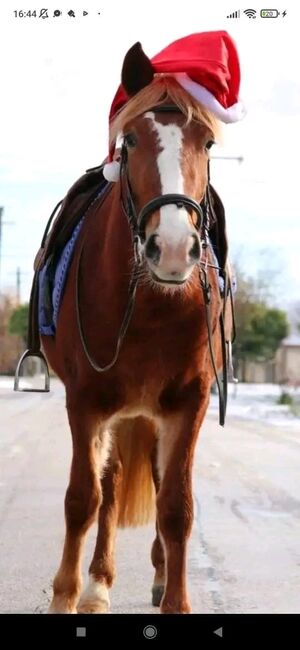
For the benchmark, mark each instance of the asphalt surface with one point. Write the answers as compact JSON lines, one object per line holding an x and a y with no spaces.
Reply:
{"x":244,"y":553}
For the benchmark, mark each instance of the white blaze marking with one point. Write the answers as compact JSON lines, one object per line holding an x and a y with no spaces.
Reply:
{"x":95,"y":591}
{"x":174,"y":223}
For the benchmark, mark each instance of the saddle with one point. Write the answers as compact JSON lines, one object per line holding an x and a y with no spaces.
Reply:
{"x":72,"y":207}
{"x":64,"y":219}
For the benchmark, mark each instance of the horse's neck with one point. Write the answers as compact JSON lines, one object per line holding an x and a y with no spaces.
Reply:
{"x":108,"y":249}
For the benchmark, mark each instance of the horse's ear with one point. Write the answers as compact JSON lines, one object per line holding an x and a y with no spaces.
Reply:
{"x":137,"y":70}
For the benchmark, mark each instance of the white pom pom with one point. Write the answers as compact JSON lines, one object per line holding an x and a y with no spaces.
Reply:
{"x":111,"y":171}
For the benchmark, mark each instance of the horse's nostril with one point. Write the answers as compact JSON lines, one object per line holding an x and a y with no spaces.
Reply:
{"x":194,"y":252}
{"x":152,"y":250}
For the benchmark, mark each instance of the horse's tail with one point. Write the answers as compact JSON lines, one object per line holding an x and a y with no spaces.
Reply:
{"x":135,"y":440}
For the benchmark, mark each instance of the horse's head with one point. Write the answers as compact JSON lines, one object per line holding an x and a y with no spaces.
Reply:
{"x":166,"y":137}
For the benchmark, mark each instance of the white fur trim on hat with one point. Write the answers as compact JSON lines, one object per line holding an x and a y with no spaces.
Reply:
{"x":232,"y":114}
{"x":111,"y":171}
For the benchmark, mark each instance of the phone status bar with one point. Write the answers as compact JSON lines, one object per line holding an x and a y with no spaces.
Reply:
{"x":252,"y":14}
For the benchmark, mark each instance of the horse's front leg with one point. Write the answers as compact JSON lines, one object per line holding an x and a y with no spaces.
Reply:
{"x":180,"y":423}
{"x":82,"y":500}
{"x":95,"y":599}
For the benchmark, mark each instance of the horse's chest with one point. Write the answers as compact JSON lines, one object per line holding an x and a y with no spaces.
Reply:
{"x":157,"y":354}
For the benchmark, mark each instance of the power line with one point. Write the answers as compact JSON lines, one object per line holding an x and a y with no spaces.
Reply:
{"x":238,"y":159}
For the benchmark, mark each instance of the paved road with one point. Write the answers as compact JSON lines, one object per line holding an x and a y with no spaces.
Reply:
{"x":244,"y":554}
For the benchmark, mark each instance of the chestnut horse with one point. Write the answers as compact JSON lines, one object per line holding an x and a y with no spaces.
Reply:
{"x":135,"y":425}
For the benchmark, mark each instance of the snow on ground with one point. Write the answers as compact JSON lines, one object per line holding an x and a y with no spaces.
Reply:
{"x":259,"y":402}
{"x":7,"y":383}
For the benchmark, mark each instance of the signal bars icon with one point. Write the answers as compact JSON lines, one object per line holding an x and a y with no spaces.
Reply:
{"x":235,"y":14}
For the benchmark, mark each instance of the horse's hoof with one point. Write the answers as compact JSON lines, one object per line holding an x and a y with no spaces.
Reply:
{"x":95,"y":599}
{"x":62,"y":606}
{"x":157,"y":594}
{"x":175,"y":608}
{"x":93,"y":607}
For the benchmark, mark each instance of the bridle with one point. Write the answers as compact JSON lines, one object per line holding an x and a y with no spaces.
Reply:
{"x":137,"y":222}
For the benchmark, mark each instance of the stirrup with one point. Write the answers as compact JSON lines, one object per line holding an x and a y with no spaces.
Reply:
{"x":25,"y":355}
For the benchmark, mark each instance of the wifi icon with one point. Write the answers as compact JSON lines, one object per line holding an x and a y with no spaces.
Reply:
{"x":251,"y":13}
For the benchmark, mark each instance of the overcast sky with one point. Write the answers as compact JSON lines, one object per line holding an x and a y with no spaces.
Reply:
{"x":57,"y":80}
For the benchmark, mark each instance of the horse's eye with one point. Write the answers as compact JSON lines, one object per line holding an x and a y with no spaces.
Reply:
{"x":130,"y":140}
{"x":209,"y":145}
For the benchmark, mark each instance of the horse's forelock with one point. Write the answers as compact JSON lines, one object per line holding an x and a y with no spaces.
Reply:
{"x":164,"y":87}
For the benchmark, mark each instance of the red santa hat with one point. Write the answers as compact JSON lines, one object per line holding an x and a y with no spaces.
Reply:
{"x":207,"y":66}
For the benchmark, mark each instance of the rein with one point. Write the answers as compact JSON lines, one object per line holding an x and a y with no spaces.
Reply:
{"x":137,"y":222}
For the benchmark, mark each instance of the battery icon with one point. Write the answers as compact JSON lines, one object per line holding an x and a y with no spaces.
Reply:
{"x":269,"y":13}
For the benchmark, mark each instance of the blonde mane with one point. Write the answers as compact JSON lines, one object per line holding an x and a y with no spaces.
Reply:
{"x":162,"y":88}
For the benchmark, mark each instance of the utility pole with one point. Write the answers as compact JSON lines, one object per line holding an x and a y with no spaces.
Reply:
{"x":2,"y":223}
{"x":18,"y":275}
{"x":18,"y":285}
